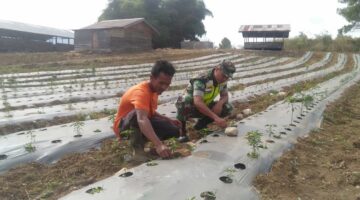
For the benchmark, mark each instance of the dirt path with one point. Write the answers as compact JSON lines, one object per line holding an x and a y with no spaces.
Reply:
{"x":325,"y":165}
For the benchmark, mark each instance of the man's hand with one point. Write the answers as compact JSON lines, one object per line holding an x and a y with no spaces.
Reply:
{"x":220,"y":122}
{"x":163,"y":151}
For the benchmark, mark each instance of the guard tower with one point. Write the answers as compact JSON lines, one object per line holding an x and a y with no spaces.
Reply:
{"x":265,"y":37}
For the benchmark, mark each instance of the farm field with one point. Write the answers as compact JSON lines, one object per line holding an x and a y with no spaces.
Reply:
{"x":56,"y":138}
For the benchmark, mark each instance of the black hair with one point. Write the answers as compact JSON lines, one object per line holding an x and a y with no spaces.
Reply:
{"x":164,"y":67}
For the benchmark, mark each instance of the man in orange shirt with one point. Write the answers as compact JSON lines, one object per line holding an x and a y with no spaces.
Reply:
{"x":138,"y":109}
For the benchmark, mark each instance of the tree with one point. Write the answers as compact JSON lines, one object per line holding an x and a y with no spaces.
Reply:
{"x":176,"y":20}
{"x":225,"y":43}
{"x":350,"y":13}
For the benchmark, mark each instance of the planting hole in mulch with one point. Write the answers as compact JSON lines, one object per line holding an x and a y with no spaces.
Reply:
{"x":296,"y":121}
{"x":302,"y":115}
{"x":240,"y":166}
{"x":283,"y":133}
{"x":292,"y":124}
{"x":56,"y":141}
{"x":150,"y":164}
{"x":77,"y":135}
{"x":270,"y":141}
{"x":215,"y":135}
{"x":299,"y":117}
{"x":241,"y":122}
{"x":173,"y":111}
{"x":43,"y":129}
{"x":126,"y":174}
{"x":22,"y":133}
{"x":3,"y":156}
{"x":226,"y":179}
{"x":203,"y":141}
{"x":288,"y":129}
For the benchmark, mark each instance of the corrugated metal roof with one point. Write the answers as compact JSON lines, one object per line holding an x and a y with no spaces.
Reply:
{"x":117,"y":23}
{"x":29,"y":28}
{"x":356,"y":27}
{"x":268,"y":27}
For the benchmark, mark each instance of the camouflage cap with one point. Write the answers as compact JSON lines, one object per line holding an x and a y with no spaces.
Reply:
{"x":228,"y":68}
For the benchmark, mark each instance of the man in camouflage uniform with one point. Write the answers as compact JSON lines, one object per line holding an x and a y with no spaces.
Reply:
{"x":198,"y":100}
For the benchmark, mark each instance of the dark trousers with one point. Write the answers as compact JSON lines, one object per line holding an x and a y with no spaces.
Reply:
{"x":188,"y":110}
{"x":162,"y":128}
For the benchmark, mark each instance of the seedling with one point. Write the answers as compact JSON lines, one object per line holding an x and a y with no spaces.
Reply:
{"x":53,"y":78}
{"x":230,"y":172}
{"x":112,"y":118}
{"x":94,"y":190}
{"x":292,"y":101}
{"x":78,"y":127}
{"x":29,"y":147}
{"x":204,"y":132}
{"x":232,"y":123}
{"x":269,"y":130}
{"x":191,"y":147}
{"x":7,"y":107}
{"x":127,"y":133}
{"x":106,"y":83}
{"x":70,"y":106}
{"x":82,"y":85}
{"x":208,"y":195}
{"x":12,"y":83}
{"x":151,"y":163}
{"x":173,"y":144}
{"x":93,"y":71}
{"x":254,"y":140}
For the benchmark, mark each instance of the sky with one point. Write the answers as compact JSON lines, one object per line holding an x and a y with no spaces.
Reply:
{"x":309,"y":16}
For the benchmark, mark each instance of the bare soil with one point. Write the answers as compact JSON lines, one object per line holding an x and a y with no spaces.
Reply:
{"x":30,"y":62}
{"x":324,"y":165}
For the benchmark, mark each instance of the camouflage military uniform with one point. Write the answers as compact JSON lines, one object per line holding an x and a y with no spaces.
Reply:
{"x":202,"y":85}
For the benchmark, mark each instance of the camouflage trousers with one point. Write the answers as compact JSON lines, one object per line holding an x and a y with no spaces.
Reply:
{"x":186,"y":110}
